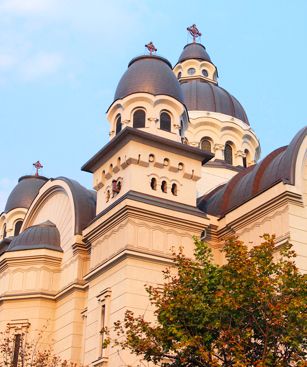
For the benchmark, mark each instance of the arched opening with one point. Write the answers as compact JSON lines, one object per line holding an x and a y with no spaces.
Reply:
{"x":165,"y":121}
{"x":164,"y":187}
{"x":205,"y":144}
{"x":228,"y":153}
{"x":118,"y":124}
{"x":4,"y":231}
{"x":139,"y":119}
{"x":116,"y":187}
{"x":108,"y":196}
{"x":245,"y":158}
{"x":174,"y":189}
{"x":181,"y":129}
{"x":153,"y":183}
{"x":17,"y":227}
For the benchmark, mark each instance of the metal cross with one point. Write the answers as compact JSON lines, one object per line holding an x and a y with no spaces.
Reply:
{"x":38,"y":166}
{"x":151,"y":47}
{"x":194,"y":32}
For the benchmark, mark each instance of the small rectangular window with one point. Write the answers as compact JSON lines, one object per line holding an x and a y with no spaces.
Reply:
{"x":16,"y":350}
{"x":102,"y":329}
{"x":103,"y":315}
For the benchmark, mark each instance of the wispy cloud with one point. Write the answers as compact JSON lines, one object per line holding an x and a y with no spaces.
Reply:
{"x":38,"y":37}
{"x":26,"y":7}
{"x":42,"y":64}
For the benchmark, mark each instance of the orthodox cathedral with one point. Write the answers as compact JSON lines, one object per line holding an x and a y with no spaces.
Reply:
{"x":182,"y":161}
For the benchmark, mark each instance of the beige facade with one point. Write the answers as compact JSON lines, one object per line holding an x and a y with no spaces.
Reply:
{"x":181,"y":162}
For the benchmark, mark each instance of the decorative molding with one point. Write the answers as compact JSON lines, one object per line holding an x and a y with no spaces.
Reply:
{"x":124,"y":254}
{"x":129,"y":211}
{"x":100,"y":362}
{"x":103,"y":295}
{"x":259,"y":213}
{"x":19,"y":325}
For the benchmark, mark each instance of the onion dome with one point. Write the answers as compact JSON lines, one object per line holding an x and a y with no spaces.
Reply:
{"x":194,"y":51}
{"x":201,"y":95}
{"x":24,"y":192}
{"x":149,"y":74}
{"x":278,"y":166}
{"x":199,"y":85}
{"x":41,"y":236}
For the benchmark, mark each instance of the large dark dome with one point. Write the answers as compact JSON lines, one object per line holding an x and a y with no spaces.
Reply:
{"x":194,"y":51}
{"x":24,"y":192}
{"x":149,"y":74}
{"x":205,"y":96}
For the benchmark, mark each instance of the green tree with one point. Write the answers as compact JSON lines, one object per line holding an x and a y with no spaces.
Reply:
{"x":21,"y":349}
{"x":249,"y":312}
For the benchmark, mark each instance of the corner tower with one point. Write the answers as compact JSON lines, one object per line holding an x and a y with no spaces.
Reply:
{"x":218,"y":122}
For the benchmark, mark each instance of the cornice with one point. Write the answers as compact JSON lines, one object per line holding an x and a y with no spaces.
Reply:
{"x":155,"y":216}
{"x":128,"y":252}
{"x":259,"y":212}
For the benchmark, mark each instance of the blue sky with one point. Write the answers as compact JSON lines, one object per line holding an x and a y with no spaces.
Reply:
{"x":60,"y":62}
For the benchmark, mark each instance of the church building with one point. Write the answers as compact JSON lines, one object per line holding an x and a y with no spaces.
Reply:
{"x":182,"y":161}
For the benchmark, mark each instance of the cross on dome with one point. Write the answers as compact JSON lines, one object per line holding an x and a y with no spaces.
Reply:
{"x":151,"y":48}
{"x":37,"y":166}
{"x":194,"y":32}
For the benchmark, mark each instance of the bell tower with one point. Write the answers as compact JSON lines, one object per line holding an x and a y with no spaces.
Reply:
{"x":145,"y":179}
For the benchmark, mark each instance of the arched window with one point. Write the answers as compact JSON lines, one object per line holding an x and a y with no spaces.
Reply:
{"x":17,"y":227}
{"x":174,"y":189}
{"x":108,"y":196}
{"x":153,"y":183}
{"x":228,"y":153}
{"x":139,"y":119}
{"x":118,"y":124}
{"x":165,"y":121}
{"x":205,"y":144}
{"x":246,"y":152}
{"x":4,"y":231}
{"x":164,"y":186}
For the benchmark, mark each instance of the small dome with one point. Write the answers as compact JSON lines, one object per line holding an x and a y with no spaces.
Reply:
{"x":24,"y":192}
{"x":149,"y":74}
{"x":41,"y":236}
{"x":200,"y":95}
{"x":194,"y":51}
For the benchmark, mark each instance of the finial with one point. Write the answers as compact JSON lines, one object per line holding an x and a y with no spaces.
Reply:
{"x":194,"y":32}
{"x":38,"y":166}
{"x":151,"y":48}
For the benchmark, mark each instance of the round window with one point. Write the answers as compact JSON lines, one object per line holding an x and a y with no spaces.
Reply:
{"x":179,"y":75}
{"x":191,"y":71}
{"x":204,"y":72}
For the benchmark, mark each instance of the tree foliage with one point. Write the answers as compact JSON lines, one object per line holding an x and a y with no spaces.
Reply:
{"x":249,"y":312}
{"x":21,"y":349}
